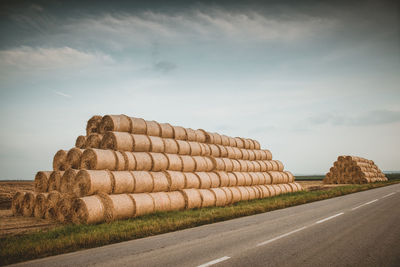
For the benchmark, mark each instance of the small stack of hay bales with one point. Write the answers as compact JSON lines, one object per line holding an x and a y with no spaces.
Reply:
{"x":353,"y":170}
{"x":126,"y":167}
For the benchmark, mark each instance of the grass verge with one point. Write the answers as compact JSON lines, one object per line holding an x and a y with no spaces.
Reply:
{"x":70,"y":238}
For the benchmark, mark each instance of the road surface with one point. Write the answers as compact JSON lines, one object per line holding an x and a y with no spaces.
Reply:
{"x":360,"y":229}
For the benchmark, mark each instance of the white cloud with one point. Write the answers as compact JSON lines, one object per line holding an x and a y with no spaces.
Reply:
{"x":62,"y":94}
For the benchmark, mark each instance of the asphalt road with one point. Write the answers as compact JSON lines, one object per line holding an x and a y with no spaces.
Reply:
{"x":361,"y":229}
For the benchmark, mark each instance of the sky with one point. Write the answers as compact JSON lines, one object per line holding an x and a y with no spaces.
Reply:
{"x":310,"y":81}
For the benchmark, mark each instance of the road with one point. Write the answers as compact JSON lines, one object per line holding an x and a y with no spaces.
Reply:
{"x":360,"y":229}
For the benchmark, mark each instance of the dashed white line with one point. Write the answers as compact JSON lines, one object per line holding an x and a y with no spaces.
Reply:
{"x":330,"y":217}
{"x":388,"y":195}
{"x":214,"y":261}
{"x":362,"y":205}
{"x":281,"y":236}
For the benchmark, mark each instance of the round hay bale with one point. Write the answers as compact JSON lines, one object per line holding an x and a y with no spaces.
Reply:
{"x":166,"y":130}
{"x":143,"y":203}
{"x":217,"y":140}
{"x":232,"y":179}
{"x":16,"y":203}
{"x":123,"y":182}
{"x":28,"y":203}
{"x":205,"y":149}
{"x":64,"y":208}
{"x":80,"y":142}
{"x":156,"y":144}
{"x":223,"y":152}
{"x":299,"y":187}
{"x":141,"y":143}
{"x":257,"y":145}
{"x":232,"y":142}
{"x":264,"y":191}
{"x":120,"y":158}
{"x":118,"y":141}
{"x":88,"y":210}
{"x":179,"y":133}
{"x":250,"y":166}
{"x":215,"y":182}
{"x":275,"y":165}
{"x":280,"y":165}
{"x":236,"y":165}
{"x":229,"y":195}
{"x":130,"y":161}
{"x":214,"y":150}
{"x":293,"y":188}
{"x":239,"y":142}
{"x":52,"y":205}
{"x":236,"y":194}
{"x":269,"y":154}
{"x":188,"y":163}
{"x":225,"y":140}
{"x":160,"y":161}
{"x":116,"y":123}
{"x":170,"y":146}
{"x":207,"y":198}
{"x":251,"y":144}
{"x":195,"y":149}
{"x":223,"y":178}
{"x":192,"y":198}
{"x":98,"y":159}
{"x":201,"y":163}
{"x":230,"y":152}
{"x":219,"y":164}
{"x":220,"y":197}
{"x":271,"y":190}
{"x":160,"y":181}
{"x":91,"y":182}
{"x":243,"y":165}
{"x":60,"y":160}
{"x":177,"y":200}
{"x":174,"y":162}
{"x":275,"y":177}
{"x":255,"y":178}
{"x":161,"y":201}
{"x":200,"y":136}
{"x":263,"y":166}
{"x":288,"y":188}
{"x":144,"y":161}
{"x":263,"y":155}
{"x":283,"y":188}
{"x":183,"y":147}
{"x":42,"y":181}
{"x":93,"y":124}
{"x":269,"y":165}
{"x":247,"y":178}
{"x":123,"y":206}
{"x":252,"y":192}
{"x":67,"y":181}
{"x":268,"y":178}
{"x":257,"y":166}
{"x":240,"y":178}
{"x":278,"y":190}
{"x":176,"y":180}
{"x":137,"y":125}
{"x":153,"y":128}
{"x":228,"y":164}
{"x":290,"y":176}
{"x":246,"y":143}
{"x":94,"y":140}
{"x":245,"y":154}
{"x":143,"y":181}
{"x":204,"y":179}
{"x":210,"y":163}
{"x":238,"y":153}
{"x":252,"y":155}
{"x":74,"y":157}
{"x":191,"y":134}
{"x":244,"y":193}
{"x":192,"y":180}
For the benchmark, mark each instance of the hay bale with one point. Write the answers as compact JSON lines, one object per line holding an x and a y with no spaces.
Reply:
{"x":228,"y":194}
{"x":244,"y":193}
{"x":143,"y":202}
{"x":98,"y":159}
{"x":223,"y":178}
{"x":144,"y":161}
{"x":118,"y":141}
{"x":176,"y":180}
{"x":143,"y":181}
{"x":247,"y":180}
{"x":220,"y":197}
{"x":217,"y":139}
{"x":52,"y":205}
{"x":156,"y":144}
{"x":191,"y":134}
{"x":179,"y":133}
{"x":215,"y":181}
{"x":236,"y":165}
{"x":177,"y":200}
{"x":293,"y":188}
{"x":219,"y":164}
{"x":200,"y":136}
{"x":88,"y":210}
{"x":160,"y":182}
{"x":228,"y":164}
{"x":268,"y":178}
{"x":161,"y":201}
{"x":94,"y":140}
{"x":80,"y":142}
{"x":257,"y":166}
{"x":121,"y":164}
{"x":256,"y":178}
{"x":283,"y":188}
{"x":225,"y":140}
{"x":250,"y":166}
{"x":230,"y":152}
{"x":116,"y":123}
{"x":195,"y":149}
{"x":174,"y":162}
{"x":210,"y":164}
{"x":280,"y":165}
{"x":223,"y":152}
{"x":122,"y":206}
{"x":189,"y":165}
{"x":246,"y":143}
{"x":243,"y":165}
{"x":42,"y":181}
{"x":74,"y":157}
{"x":269,"y":165}
{"x":192,"y":198}
{"x":64,"y":208}
{"x":299,"y":187}
{"x":170,"y":146}
{"x":251,"y":143}
{"x":153,"y":128}
{"x":252,"y":155}
{"x":238,"y":153}
{"x":214,"y":150}
{"x":236,"y":194}
{"x":67,"y":181}
{"x":93,"y":124}
{"x":269,"y":154}
{"x":60,"y":160}
{"x":160,"y":161}
{"x":263,"y":166}
{"x":138,"y":125}
{"x":257,"y":145}
{"x":207,"y":198}
{"x":278,"y":190}
{"x":28,"y":203}
{"x":245,"y":154}
{"x":252,"y":192}
{"x":124,"y":182}
{"x":201,"y":163}
{"x":288,"y":188}
{"x":232,"y":142}
{"x":205,"y":149}
{"x":264,"y":191}
{"x":16,"y":203}
{"x":233,"y":180}
{"x":166,"y":130}
{"x":205,"y":180}
{"x":192,"y":180}
{"x":183,"y":147}
{"x":89,"y":182}
{"x":130,"y":161}
{"x":239,"y":142}
{"x":263,"y":155}
{"x":271,"y":190}
{"x":290,"y":176}
{"x":275,"y":165}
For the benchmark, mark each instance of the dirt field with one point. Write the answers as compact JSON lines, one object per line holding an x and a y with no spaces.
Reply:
{"x":12,"y":225}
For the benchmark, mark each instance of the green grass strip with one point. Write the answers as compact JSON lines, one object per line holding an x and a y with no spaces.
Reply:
{"x":70,"y":237}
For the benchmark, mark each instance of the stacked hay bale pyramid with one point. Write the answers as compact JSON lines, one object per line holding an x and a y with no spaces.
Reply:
{"x":353,"y":170}
{"x":126,"y":167}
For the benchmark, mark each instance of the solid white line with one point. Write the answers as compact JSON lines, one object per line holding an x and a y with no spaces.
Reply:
{"x":331,"y":217}
{"x":279,"y":237}
{"x":389,"y":195}
{"x":372,"y":201}
{"x":214,"y":261}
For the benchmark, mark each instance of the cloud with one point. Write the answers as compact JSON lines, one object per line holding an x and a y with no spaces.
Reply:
{"x":375,"y":117}
{"x":62,"y":94}
{"x":164,"y":66}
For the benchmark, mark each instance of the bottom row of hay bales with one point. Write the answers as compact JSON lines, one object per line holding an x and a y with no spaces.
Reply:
{"x":104,"y":208}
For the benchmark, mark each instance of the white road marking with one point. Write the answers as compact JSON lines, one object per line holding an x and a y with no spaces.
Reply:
{"x":372,"y":201}
{"x":214,"y":261}
{"x":331,"y":217}
{"x":388,"y":195}
{"x":281,"y":236}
